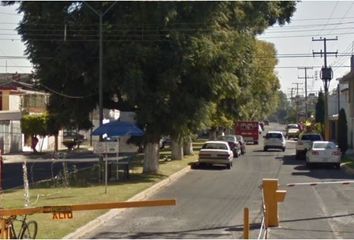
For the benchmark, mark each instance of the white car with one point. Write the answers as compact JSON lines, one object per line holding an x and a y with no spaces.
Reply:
{"x":323,"y":152}
{"x":304,"y":143}
{"x":216,"y":152}
{"x":274,"y":139}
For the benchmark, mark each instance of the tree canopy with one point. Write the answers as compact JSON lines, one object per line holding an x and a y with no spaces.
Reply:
{"x":178,"y":65}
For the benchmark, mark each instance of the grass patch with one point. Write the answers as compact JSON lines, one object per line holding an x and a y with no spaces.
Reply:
{"x":349,"y":161}
{"x":84,"y":189}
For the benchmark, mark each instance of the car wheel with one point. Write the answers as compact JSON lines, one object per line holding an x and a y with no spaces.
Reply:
{"x":337,"y":165}
{"x":265,"y":149}
{"x":284,"y":149}
{"x":228,"y":166}
{"x":309,"y":165}
{"x":297,"y":156}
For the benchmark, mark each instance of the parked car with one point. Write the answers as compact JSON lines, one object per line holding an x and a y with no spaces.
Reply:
{"x":234,"y":144}
{"x":324,"y":152}
{"x":165,"y":142}
{"x":216,"y":152}
{"x":72,"y":138}
{"x":242,"y":143}
{"x":292,"y":130}
{"x":304,"y":143}
{"x":274,"y":140}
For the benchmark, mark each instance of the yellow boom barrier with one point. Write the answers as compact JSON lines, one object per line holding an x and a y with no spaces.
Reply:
{"x":65,"y":211}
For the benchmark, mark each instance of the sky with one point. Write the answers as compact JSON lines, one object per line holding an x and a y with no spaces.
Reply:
{"x":293,"y":43}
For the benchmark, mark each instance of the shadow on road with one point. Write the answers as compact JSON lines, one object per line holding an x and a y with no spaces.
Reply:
{"x":197,"y":233}
{"x":197,"y":165}
{"x":290,"y":160}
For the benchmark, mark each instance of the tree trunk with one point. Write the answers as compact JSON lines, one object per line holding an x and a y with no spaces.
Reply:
{"x":212,"y":134}
{"x":151,"y":158}
{"x":188,"y":147}
{"x":177,"y":150}
{"x":56,"y":143}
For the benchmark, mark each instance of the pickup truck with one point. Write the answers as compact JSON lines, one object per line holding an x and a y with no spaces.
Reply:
{"x":304,"y":143}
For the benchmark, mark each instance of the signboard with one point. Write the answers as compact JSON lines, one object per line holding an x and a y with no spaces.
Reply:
{"x":59,"y":212}
{"x":106,"y":147}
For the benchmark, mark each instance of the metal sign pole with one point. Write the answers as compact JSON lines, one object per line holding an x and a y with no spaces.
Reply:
{"x":117,"y":158}
{"x":106,"y":170}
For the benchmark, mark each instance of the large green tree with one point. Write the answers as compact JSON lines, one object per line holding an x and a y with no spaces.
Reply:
{"x":170,"y":62}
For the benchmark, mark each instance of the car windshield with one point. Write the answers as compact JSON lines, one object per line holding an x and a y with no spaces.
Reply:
{"x":311,"y":137}
{"x":326,"y":145}
{"x":215,"y":146}
{"x":293,"y":126}
{"x":273,"y":135}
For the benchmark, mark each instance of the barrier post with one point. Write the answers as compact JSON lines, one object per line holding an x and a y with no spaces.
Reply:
{"x":246,"y":224}
{"x":3,"y":230}
{"x":271,"y":198}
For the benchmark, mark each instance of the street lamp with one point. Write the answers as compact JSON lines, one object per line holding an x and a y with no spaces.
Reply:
{"x":100,"y":80}
{"x":100,"y":57}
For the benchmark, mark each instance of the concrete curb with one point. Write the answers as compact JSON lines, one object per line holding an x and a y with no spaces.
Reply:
{"x":90,"y":226}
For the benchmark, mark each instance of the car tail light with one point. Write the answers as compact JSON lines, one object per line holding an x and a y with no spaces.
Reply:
{"x":224,"y":155}
{"x":315,"y":153}
{"x":336,"y":153}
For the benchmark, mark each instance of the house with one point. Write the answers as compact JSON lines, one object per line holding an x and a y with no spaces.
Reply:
{"x":18,"y":97}
{"x":347,"y":91}
{"x":337,"y":100}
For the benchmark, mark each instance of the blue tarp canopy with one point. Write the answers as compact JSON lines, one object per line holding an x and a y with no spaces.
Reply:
{"x":118,"y":129}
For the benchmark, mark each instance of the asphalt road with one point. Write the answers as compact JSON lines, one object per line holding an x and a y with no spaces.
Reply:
{"x":210,"y":202}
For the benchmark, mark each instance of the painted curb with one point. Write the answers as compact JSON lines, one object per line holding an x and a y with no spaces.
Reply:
{"x":90,"y":226}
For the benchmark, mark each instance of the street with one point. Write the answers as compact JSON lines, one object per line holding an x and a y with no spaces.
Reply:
{"x":210,"y":202}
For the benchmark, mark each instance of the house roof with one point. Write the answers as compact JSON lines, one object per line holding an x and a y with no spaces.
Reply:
{"x":19,"y":82}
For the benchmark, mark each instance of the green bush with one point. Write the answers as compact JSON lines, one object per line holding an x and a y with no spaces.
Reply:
{"x":342,"y":136}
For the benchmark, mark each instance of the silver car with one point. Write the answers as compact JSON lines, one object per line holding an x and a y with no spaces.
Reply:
{"x":274,"y":139}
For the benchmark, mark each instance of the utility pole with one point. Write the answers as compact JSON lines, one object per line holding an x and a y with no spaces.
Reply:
{"x":297,"y":88}
{"x":291,"y":93}
{"x":326,"y":76}
{"x":297,"y":101}
{"x":305,"y":68}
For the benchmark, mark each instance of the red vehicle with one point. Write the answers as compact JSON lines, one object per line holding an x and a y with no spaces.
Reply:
{"x":249,"y":130}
